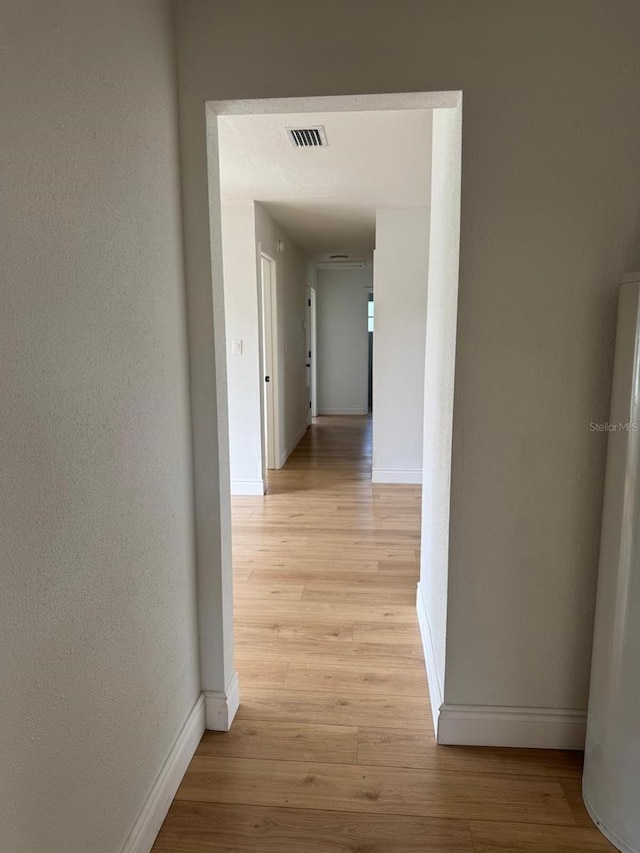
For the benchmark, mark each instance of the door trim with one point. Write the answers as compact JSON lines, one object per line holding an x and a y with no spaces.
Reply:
{"x":207,"y":345}
{"x":270,"y":427}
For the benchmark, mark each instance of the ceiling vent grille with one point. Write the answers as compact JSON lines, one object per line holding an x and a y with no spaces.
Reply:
{"x":340,"y":265}
{"x":307,"y":137}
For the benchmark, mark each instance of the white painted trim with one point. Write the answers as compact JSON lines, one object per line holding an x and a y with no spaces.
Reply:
{"x":268,"y":340}
{"x":247,"y":487}
{"x":343,"y":410}
{"x":397,"y":475}
{"x":485,"y":725}
{"x":314,"y":353}
{"x":203,"y":249}
{"x":608,"y":834}
{"x":286,"y":453}
{"x":535,"y":728}
{"x":153,"y":812}
{"x":338,"y":103}
{"x":436,"y":694}
{"x":221,"y":707}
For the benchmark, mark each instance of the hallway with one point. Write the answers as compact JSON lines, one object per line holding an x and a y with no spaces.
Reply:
{"x":332,"y":750}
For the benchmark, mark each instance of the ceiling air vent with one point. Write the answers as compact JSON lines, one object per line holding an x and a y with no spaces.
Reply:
{"x":340,"y":265}
{"x":307,"y":137}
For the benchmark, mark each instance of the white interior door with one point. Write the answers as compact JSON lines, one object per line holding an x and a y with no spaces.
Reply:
{"x":269,"y":349}
{"x":309,"y":355}
{"x":314,"y":355}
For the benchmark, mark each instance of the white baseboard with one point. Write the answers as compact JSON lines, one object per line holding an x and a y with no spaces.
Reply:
{"x":535,"y":728}
{"x":412,"y":476}
{"x":433,"y":676}
{"x":221,"y":707}
{"x":247,"y":487}
{"x":343,"y":410}
{"x":153,"y":812}
{"x":485,"y":725}
{"x":286,"y":453}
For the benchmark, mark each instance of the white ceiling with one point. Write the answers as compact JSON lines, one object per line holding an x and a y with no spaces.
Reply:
{"x":326,"y":198}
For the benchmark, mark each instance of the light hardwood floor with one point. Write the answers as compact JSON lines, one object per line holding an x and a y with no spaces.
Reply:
{"x":332,"y":750}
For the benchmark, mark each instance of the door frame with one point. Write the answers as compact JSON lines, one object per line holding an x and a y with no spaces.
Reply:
{"x":368,"y":290}
{"x":314,"y":351}
{"x":207,"y":342}
{"x":269,"y":404}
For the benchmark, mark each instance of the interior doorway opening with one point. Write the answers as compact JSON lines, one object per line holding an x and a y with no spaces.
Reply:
{"x":370,"y":354}
{"x":441,"y":234}
{"x":269,"y":337}
{"x":310,"y":349}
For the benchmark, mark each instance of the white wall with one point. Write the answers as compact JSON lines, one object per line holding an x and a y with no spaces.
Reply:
{"x":244,"y":373}
{"x":98,"y":633}
{"x":342,"y":341}
{"x":550,"y":187}
{"x":247,"y":230}
{"x":401,"y":266}
{"x":291,"y":279}
{"x":440,"y":354}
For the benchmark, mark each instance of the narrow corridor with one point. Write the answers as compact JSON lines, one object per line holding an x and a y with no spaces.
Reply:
{"x":333,"y":749}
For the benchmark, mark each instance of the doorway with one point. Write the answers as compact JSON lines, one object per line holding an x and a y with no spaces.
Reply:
{"x":269,"y":335}
{"x":313,"y":349}
{"x":443,"y":235}
{"x":309,"y":327}
{"x":370,"y":367}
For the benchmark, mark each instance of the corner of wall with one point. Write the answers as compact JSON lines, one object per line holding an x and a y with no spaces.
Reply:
{"x":222,"y":706}
{"x":155,"y":808}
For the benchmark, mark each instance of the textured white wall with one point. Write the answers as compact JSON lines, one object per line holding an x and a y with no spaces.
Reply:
{"x":401,"y":267}
{"x":98,"y":632}
{"x":550,"y":188}
{"x":241,"y":304}
{"x":291,"y":279}
{"x":342,"y":341}
{"x":440,"y":355}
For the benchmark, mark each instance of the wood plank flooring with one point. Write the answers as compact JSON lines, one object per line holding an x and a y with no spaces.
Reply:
{"x":332,"y":750}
